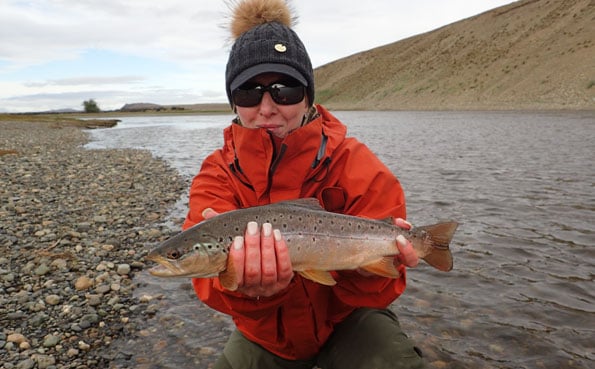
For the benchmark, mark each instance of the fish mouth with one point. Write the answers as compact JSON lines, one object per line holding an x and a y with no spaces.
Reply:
{"x":165,"y":268}
{"x":178,"y":268}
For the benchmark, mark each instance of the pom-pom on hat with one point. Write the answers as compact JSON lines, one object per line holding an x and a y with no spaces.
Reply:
{"x":265,"y":43}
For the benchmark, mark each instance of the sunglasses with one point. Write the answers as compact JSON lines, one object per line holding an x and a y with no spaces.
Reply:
{"x":250,"y":94}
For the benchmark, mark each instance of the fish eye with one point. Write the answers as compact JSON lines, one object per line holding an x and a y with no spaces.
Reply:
{"x":174,"y":254}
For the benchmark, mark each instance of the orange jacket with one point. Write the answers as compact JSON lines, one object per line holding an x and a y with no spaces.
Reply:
{"x":316,"y":160}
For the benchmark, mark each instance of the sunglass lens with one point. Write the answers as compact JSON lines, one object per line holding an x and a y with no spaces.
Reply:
{"x":285,"y":95}
{"x":247,"y":98}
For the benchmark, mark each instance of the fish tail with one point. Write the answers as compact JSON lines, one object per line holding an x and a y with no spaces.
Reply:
{"x":440,"y":235}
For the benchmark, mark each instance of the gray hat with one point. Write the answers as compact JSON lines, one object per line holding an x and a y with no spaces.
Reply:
{"x":269,"y":47}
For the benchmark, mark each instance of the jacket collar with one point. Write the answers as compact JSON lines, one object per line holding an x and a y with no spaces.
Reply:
{"x":252,"y":158}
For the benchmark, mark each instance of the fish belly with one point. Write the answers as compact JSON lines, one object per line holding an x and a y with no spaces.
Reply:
{"x":320,"y":252}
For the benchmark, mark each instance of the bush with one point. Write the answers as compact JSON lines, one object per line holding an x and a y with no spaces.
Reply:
{"x":91,"y":106}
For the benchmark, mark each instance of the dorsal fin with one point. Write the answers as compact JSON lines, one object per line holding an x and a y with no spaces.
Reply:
{"x":306,"y":203}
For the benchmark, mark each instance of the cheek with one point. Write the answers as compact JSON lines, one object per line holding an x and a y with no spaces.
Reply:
{"x":295,"y":114}
{"x":247,"y":116}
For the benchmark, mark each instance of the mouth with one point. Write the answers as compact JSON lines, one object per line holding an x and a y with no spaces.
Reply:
{"x":269,"y":127}
{"x":164,"y":267}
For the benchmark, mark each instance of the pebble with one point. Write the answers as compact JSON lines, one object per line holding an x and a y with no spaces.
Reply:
{"x":75,"y":225}
{"x":83,"y":283}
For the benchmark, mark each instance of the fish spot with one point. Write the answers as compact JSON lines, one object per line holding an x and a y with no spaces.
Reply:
{"x":174,"y":254}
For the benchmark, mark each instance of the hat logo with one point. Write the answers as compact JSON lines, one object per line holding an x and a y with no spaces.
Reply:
{"x":280,"y":48}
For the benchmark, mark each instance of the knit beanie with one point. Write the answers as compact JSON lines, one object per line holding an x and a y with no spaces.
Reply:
{"x":265,"y":43}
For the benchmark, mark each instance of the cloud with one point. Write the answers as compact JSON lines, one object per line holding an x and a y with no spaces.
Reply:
{"x":37,"y":31}
{"x":93,"y":81}
{"x":57,"y":53}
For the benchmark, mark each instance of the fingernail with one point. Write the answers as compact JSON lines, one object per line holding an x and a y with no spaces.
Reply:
{"x":402,"y":240}
{"x":277,"y":235}
{"x":409,"y":224}
{"x":267,"y":229}
{"x":238,"y":242}
{"x":252,"y":228}
{"x":206,"y":211}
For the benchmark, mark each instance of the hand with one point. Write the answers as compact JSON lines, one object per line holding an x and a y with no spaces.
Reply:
{"x":261,"y":260}
{"x":407,"y":255}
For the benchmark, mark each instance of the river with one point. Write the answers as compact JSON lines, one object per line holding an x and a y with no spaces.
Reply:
{"x":522,"y":185}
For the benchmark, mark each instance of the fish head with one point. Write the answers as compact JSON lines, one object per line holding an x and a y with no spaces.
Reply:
{"x":197,"y":256}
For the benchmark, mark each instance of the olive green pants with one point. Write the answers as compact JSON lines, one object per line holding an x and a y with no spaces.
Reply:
{"x":368,"y":338}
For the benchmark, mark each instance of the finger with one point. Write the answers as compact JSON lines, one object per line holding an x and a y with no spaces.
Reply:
{"x":252,"y":264}
{"x":402,"y":223}
{"x":407,"y":253}
{"x":284,"y":267}
{"x":268,"y":258}
{"x":209,"y":213}
{"x":237,"y":256}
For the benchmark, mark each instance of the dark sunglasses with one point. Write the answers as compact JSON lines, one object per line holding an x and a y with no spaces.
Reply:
{"x":250,"y":94}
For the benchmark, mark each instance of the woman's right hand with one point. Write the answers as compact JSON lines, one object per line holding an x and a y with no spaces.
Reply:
{"x":260,"y":259}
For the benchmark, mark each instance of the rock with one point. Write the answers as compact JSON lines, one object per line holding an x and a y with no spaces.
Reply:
{"x":52,"y":299}
{"x":42,"y":269}
{"x":44,"y":361}
{"x":16,"y":338}
{"x":83,"y":283}
{"x":51,"y":340}
{"x":25,"y":364}
{"x":123,"y":269}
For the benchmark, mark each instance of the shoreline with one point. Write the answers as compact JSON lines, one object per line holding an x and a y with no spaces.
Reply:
{"x":76,"y":224}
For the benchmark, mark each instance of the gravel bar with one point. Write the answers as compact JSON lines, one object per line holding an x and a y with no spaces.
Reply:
{"x":74,"y":227}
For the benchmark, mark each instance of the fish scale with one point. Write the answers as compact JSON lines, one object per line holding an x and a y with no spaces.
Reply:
{"x":318,"y":242}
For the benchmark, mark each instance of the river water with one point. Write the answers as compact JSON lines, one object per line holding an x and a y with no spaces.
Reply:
{"x":522,"y":185}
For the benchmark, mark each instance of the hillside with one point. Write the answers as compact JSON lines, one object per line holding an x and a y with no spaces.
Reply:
{"x":530,"y":54}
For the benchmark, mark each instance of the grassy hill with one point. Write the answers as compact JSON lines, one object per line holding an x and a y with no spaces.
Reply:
{"x":530,"y":54}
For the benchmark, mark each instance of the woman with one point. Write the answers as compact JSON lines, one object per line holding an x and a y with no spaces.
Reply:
{"x":281,"y":146}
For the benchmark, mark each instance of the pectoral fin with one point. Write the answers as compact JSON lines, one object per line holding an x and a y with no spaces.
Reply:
{"x":319,"y":276}
{"x":384,"y":267}
{"x":228,"y":278}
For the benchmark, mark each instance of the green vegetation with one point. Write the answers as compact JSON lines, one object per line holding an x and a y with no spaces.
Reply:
{"x":91,"y":106}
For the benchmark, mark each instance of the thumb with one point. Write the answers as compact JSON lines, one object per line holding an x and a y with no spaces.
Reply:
{"x":209,"y":213}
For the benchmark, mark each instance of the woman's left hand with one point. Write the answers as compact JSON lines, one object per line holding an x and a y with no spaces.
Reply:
{"x":407,"y":255}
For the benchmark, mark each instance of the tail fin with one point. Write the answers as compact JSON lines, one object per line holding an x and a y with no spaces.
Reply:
{"x":440,"y":234}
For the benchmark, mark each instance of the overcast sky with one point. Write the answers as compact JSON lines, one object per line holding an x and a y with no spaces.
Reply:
{"x":55,"y":54}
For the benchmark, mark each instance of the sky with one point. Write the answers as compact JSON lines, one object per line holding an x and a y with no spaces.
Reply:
{"x":55,"y":54}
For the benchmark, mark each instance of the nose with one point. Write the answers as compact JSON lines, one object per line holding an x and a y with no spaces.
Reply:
{"x":267,"y":105}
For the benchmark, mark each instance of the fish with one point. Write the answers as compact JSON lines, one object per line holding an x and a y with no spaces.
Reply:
{"x":318,"y":241}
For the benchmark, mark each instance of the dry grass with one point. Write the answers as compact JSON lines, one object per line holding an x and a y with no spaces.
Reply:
{"x":530,"y":54}
{"x":58,"y":120}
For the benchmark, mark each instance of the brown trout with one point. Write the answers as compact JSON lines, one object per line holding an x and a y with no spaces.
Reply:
{"x":318,"y":242}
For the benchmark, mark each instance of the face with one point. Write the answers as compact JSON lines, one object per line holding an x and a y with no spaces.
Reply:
{"x":277,"y":119}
